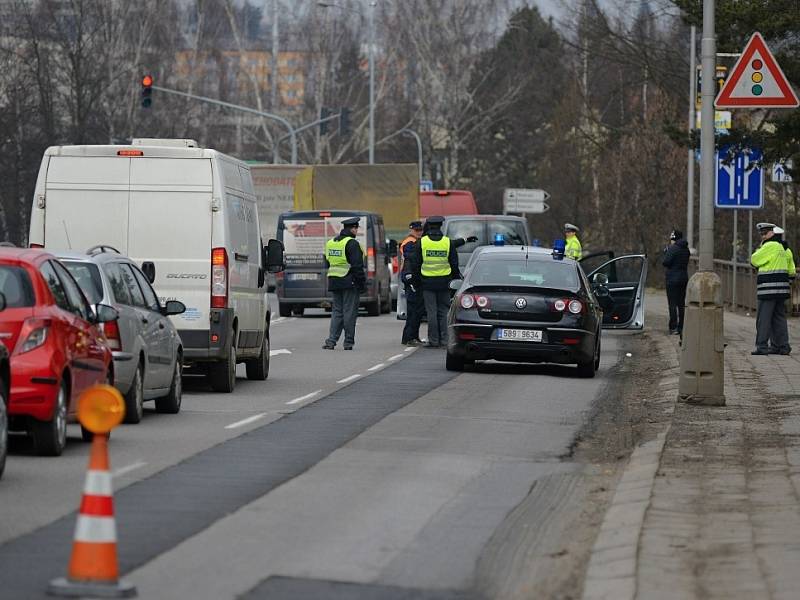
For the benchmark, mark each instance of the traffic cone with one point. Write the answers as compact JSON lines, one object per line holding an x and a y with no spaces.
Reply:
{"x":93,"y":570}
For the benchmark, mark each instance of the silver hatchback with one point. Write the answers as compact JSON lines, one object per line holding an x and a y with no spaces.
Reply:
{"x":148,"y":356}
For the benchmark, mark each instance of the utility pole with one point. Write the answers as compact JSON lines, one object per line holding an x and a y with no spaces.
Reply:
{"x":692,"y":119}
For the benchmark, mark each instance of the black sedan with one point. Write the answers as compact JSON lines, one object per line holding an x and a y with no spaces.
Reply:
{"x":524,"y":304}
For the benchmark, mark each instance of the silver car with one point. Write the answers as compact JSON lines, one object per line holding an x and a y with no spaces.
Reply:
{"x":148,"y":356}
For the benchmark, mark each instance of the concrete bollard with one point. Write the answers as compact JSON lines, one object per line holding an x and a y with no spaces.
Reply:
{"x":702,"y":375}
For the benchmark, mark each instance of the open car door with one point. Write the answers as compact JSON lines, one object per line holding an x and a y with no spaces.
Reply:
{"x":626,"y":276}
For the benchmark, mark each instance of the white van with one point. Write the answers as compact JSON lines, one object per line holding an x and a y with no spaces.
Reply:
{"x":188,"y":216}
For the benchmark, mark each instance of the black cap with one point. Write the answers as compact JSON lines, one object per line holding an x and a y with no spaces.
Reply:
{"x":351,"y":222}
{"x":676,"y":234}
{"x":415,"y":225}
{"x":435,"y":220}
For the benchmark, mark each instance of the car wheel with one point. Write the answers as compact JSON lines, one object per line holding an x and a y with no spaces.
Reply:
{"x":374,"y":308}
{"x":597,"y":357}
{"x":171,"y":403}
{"x":3,"y":428}
{"x":222,"y":374}
{"x":50,"y":437}
{"x":453,"y":362}
{"x":134,"y":399}
{"x":258,"y":368}
{"x":589,"y":368}
{"x":284,"y":310}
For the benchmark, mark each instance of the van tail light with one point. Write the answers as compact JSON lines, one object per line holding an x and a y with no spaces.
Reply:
{"x":219,"y":278}
{"x":395,"y":264}
{"x":113,"y":337}
{"x":33,"y":335}
{"x":37,"y":245}
{"x":370,"y":262}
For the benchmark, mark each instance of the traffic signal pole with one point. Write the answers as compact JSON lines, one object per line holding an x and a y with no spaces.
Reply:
{"x":292,"y":131}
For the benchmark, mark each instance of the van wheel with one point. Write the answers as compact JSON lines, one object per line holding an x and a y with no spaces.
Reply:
{"x":284,"y":310}
{"x":134,"y":399}
{"x":171,"y":403}
{"x":374,"y":308}
{"x":50,"y":437}
{"x":258,"y":368}
{"x":222,"y":374}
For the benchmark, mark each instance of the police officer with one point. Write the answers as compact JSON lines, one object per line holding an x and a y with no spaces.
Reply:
{"x":573,"y":250}
{"x":415,"y":305}
{"x":433,"y":263}
{"x":772,"y":289}
{"x":344,"y":259}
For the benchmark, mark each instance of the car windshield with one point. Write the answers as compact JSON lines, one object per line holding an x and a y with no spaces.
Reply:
{"x":463,"y":228}
{"x":513,"y":232}
{"x":88,"y":277}
{"x":15,"y":284}
{"x":502,"y":270}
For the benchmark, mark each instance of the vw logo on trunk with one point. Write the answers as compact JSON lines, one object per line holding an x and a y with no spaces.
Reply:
{"x":521,"y":303}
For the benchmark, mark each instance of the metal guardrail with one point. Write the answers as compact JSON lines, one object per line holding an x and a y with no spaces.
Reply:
{"x":739,"y":285}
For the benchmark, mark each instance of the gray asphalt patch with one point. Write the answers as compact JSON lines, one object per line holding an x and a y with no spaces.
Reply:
{"x":275,"y":588}
{"x":158,"y":513}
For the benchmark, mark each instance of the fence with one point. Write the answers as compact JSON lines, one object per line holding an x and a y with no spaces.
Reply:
{"x":739,"y":285}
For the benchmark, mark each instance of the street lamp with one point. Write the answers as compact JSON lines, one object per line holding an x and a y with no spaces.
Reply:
{"x":371,"y":55}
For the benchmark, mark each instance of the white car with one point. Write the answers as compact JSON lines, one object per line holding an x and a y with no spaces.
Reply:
{"x":188,"y":217}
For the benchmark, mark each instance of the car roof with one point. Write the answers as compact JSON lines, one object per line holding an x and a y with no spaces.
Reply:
{"x":532,"y":252}
{"x":23,"y":254}
{"x":95,"y":257}
{"x":483,"y":218}
{"x":332,"y":212}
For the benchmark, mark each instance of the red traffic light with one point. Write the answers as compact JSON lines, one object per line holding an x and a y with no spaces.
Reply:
{"x":147,"y":81}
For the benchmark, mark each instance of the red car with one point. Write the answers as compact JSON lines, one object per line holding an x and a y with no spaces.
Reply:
{"x":57,"y":346}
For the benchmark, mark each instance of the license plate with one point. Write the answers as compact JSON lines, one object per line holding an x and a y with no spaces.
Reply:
{"x":303,"y":276}
{"x":519,"y":335}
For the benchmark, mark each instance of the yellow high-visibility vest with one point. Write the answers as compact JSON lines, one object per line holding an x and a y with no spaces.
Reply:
{"x":337,"y":259}
{"x":436,"y":257}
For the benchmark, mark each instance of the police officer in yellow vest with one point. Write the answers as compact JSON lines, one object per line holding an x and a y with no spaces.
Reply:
{"x":573,"y":249}
{"x":344,"y":259}
{"x":434,"y":262}
{"x":772,"y":289}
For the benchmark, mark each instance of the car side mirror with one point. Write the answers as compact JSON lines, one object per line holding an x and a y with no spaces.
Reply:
{"x":274,"y":256}
{"x":103,"y":313}
{"x":3,"y":302}
{"x":149,"y":270}
{"x":173,"y":307}
{"x":599,"y":279}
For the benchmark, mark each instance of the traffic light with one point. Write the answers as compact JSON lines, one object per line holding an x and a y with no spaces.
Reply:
{"x":757,"y":77}
{"x":147,"y":91}
{"x":344,"y":122}
{"x":323,"y":126}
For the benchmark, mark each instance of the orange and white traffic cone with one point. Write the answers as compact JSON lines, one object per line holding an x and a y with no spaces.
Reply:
{"x":93,"y":569}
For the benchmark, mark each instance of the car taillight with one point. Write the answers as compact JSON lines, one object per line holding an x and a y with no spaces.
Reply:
{"x":113,"y":337}
{"x":219,"y":278}
{"x":370,"y":262}
{"x":37,"y":245}
{"x":482,"y":302}
{"x":467,"y":301}
{"x":559,"y":305}
{"x":34,"y":334}
{"x":575,"y":307}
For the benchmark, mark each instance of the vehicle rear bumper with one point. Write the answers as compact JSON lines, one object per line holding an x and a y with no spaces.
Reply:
{"x":553,"y":349}
{"x":209,"y":345}
{"x":33,"y":389}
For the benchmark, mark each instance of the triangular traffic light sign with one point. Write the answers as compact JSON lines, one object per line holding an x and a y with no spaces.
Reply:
{"x":756,"y":81}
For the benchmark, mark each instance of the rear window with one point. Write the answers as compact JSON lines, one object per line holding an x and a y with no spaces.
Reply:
{"x":463,"y":228}
{"x":88,"y":277}
{"x":513,"y":232}
{"x":15,"y":284}
{"x":520,"y":272}
{"x":304,"y":238}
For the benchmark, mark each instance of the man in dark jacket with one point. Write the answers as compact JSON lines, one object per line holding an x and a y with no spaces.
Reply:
{"x":676,"y":263}
{"x":344,"y":259}
{"x":433,"y":264}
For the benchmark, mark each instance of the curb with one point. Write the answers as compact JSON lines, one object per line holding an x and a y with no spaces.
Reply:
{"x":611,"y":574}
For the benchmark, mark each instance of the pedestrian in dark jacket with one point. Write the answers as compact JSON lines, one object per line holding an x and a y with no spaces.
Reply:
{"x":676,"y":263}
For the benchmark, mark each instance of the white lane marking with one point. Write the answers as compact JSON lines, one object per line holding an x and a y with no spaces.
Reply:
{"x":395,"y":357}
{"x":246,"y":421}
{"x":279,"y":351}
{"x":376,"y":367}
{"x":409,"y":349}
{"x":127,"y":469}
{"x":306,"y":397}
{"x":351,"y":378}
{"x":277,"y":319}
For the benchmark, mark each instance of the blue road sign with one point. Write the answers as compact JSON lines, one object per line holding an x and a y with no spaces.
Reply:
{"x":425,"y":185}
{"x":740,"y":183}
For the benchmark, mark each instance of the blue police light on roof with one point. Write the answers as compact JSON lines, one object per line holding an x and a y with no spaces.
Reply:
{"x":559,"y":247}
{"x":536,"y":243}
{"x":499,"y":240}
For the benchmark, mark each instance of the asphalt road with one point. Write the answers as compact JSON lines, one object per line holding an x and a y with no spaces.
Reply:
{"x":373,"y":473}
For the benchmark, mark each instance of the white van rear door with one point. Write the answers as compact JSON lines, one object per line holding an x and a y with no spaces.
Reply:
{"x":87,"y":202}
{"x":170,"y":225}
